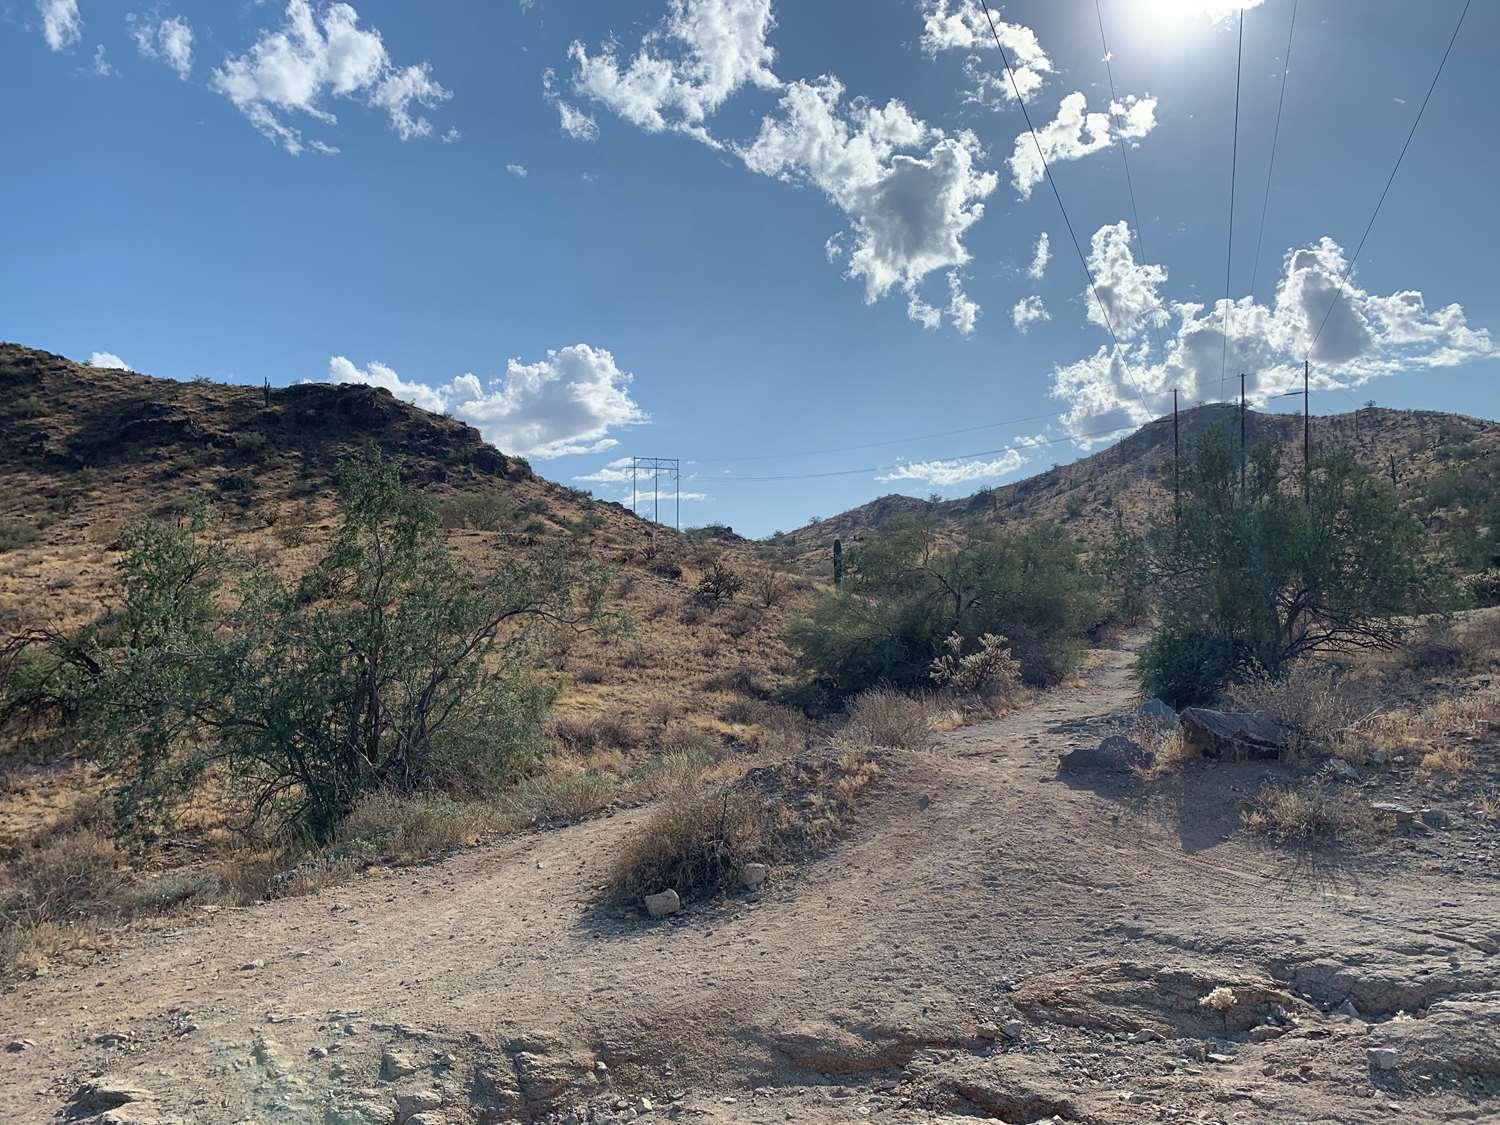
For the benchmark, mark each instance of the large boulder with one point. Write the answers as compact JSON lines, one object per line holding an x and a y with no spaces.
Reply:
{"x":1231,"y":736}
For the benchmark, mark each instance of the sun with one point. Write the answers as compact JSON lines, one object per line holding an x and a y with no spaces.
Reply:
{"x":1176,"y":17}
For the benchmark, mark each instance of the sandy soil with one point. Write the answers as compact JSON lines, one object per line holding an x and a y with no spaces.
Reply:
{"x":993,"y":940}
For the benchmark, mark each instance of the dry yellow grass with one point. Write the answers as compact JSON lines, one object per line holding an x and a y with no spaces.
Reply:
{"x":1311,"y":813}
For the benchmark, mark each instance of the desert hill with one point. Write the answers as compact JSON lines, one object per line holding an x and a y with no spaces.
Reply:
{"x":1126,"y":480}
{"x":85,"y":451}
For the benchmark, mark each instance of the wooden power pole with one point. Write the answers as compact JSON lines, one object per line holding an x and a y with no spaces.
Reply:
{"x":1306,"y":439}
{"x":1176,"y":464}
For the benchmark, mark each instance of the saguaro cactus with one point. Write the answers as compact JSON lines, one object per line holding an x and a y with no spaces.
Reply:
{"x":838,"y":562}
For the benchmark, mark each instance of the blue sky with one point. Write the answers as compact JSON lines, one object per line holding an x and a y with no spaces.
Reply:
{"x":754,"y":235}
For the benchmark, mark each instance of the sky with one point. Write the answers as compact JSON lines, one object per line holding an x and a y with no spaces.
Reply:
{"x":807,"y":249}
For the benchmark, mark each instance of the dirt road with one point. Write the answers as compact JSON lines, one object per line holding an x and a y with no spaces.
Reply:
{"x":993,"y":940}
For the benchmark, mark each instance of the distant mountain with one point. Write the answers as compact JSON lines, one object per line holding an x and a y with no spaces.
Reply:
{"x":1133,"y":477}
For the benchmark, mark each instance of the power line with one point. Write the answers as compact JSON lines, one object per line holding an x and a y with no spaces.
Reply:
{"x":900,"y":464}
{"x":878,"y":444}
{"x":1047,"y":171}
{"x":1129,"y":181}
{"x":1392,"y":179}
{"x":1286,"y":64}
{"x":1234,"y":165}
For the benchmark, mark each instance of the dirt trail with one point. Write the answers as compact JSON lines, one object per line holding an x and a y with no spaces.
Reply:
{"x":978,"y":889}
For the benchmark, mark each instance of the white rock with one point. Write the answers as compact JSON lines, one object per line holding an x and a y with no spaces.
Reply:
{"x":659,"y":906}
{"x":412,"y":1102}
{"x":1382,"y":1058}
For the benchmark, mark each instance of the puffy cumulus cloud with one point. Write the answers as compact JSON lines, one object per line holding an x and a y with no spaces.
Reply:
{"x":563,"y":404}
{"x":963,"y":471}
{"x":317,"y":55}
{"x":1128,"y":292}
{"x":169,"y":40}
{"x":1027,"y":311}
{"x":1077,"y":132}
{"x":1351,"y":340}
{"x":1040,"y":257}
{"x":685,"y":69}
{"x":108,"y":360}
{"x":62,"y":26}
{"x":908,"y":210}
{"x":961,"y":25}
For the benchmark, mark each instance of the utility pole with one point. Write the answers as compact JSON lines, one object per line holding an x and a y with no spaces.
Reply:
{"x":1176,"y":465}
{"x":672,"y":466}
{"x":1242,"y":433}
{"x":1306,"y":438}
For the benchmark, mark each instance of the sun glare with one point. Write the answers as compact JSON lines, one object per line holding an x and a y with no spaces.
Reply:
{"x":1165,"y":17}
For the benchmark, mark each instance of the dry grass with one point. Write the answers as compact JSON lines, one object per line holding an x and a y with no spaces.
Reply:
{"x":886,"y":717}
{"x":1319,"y":708}
{"x":1312,"y":814}
{"x":694,"y":843}
{"x":1169,"y":753}
{"x":1444,"y":735}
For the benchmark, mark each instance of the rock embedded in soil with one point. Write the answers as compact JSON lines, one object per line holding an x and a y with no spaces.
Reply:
{"x":753,"y":874}
{"x":663,"y":904}
{"x":1232,"y":736}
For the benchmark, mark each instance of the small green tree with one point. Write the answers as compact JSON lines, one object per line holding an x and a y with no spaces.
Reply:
{"x":385,"y":666}
{"x":1255,"y":577}
{"x":915,"y":585}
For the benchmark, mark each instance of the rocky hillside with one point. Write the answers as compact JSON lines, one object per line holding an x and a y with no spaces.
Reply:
{"x":84,"y":451}
{"x":1133,"y":477}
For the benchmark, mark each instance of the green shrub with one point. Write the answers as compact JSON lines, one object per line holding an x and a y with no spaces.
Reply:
{"x":385,"y":667}
{"x":16,"y":533}
{"x":908,"y":592}
{"x":1252,"y":577}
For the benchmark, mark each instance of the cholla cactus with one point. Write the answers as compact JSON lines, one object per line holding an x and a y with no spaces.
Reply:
{"x":990,"y":669}
{"x":1220,"y":1000}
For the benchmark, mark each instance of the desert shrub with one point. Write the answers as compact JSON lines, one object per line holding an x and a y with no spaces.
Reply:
{"x":560,"y":798}
{"x":1312,"y":702}
{"x":1252,"y":577}
{"x":988,"y":670}
{"x":585,"y":735}
{"x":1314,"y":814}
{"x":16,"y":533}
{"x":886,"y":717}
{"x":72,"y":876}
{"x":694,"y":843}
{"x":478,"y":511}
{"x":908,"y":591}
{"x":718,"y":585}
{"x":406,"y":827}
{"x":384,"y":667}
{"x":769,"y":587}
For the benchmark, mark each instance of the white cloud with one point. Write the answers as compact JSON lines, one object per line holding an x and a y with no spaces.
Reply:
{"x":575,"y":123}
{"x":960,"y":25}
{"x":1367,"y":336}
{"x":62,"y":26}
{"x":108,"y":360}
{"x":170,"y":40}
{"x":1128,"y":291}
{"x":517,"y":170}
{"x":1028,"y":311}
{"x":317,"y":55}
{"x":944,"y":473}
{"x":1075,"y":133}
{"x":908,"y":212}
{"x":563,"y":404}
{"x":909,"y":191}
{"x":1040,"y":257}
{"x":101,"y":67}
{"x":685,"y":69}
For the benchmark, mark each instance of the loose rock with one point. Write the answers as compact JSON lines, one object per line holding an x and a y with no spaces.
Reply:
{"x":661,"y":905}
{"x":1231,"y":736}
